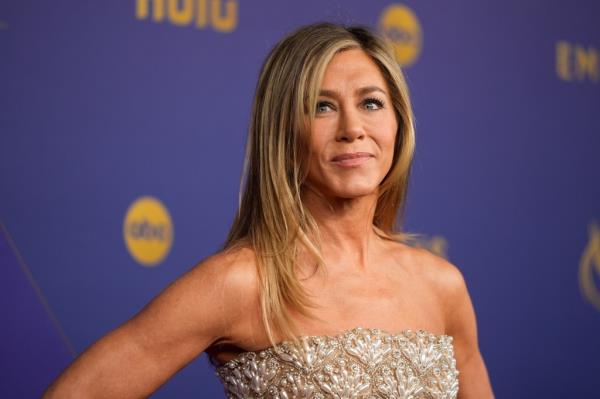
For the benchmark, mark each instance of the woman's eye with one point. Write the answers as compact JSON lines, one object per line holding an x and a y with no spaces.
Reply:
{"x":323,"y":106}
{"x":373,"y":104}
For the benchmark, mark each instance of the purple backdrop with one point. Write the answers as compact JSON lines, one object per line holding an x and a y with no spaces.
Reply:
{"x":101,"y":104}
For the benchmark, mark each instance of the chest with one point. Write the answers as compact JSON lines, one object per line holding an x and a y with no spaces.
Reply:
{"x":391,"y":300}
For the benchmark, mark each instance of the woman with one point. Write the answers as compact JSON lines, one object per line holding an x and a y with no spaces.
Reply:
{"x":315,"y":294}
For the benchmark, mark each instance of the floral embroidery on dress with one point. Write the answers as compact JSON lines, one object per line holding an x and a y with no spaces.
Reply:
{"x":360,"y":364}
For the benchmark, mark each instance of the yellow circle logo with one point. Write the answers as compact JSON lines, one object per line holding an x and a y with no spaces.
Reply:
{"x":589,"y":267}
{"x":148,"y":231}
{"x":400,"y":25}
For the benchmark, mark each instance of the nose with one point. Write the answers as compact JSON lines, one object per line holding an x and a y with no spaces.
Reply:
{"x":350,"y":125}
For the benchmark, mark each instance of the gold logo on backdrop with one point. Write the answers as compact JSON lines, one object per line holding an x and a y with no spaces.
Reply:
{"x":589,"y":267}
{"x":575,"y":62}
{"x":221,"y":15}
{"x":148,"y":231}
{"x":400,"y":25}
{"x":3,"y":25}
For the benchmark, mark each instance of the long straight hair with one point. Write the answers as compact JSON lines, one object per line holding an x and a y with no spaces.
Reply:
{"x":272,"y":219}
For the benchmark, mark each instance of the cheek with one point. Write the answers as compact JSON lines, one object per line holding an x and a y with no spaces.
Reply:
{"x":317,"y":142}
{"x":387,"y":138}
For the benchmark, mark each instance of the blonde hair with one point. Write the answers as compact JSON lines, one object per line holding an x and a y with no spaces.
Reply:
{"x":271,"y":218}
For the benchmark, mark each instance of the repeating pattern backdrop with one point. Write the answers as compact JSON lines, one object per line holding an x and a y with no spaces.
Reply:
{"x":122,"y":133}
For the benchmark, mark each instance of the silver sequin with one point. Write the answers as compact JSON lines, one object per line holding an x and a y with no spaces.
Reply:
{"x":359,"y":364}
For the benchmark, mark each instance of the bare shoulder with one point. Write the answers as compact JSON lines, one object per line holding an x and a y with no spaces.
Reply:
{"x":231,"y":269}
{"x":233,"y":280}
{"x":447,"y":279}
{"x":438,"y":276}
{"x":444,"y":276}
{"x":210,"y":298}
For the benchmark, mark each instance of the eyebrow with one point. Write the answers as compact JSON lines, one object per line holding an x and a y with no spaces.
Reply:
{"x":362,"y":91}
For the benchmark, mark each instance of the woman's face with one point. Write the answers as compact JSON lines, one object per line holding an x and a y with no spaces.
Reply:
{"x":353,"y":134}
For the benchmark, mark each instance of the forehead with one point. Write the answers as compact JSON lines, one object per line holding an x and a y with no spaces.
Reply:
{"x":352,"y":67}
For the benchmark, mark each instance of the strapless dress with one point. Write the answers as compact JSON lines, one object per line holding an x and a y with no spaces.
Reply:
{"x":358,"y":363}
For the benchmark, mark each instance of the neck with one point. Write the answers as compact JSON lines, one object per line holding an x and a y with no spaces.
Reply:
{"x":346,"y":228}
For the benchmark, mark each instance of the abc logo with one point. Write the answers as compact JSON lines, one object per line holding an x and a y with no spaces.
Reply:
{"x":148,"y":231}
{"x":401,"y":26}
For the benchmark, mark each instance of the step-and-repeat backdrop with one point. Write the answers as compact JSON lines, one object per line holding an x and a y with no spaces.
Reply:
{"x":122,"y":132}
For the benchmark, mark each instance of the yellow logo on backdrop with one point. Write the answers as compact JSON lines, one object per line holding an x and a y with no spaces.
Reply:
{"x":576,"y":62}
{"x":400,"y":25}
{"x":589,"y":267}
{"x":200,"y":13}
{"x":148,"y":231}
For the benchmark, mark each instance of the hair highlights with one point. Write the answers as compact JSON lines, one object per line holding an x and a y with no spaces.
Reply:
{"x":271,"y":218}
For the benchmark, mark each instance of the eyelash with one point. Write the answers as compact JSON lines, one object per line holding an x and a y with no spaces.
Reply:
{"x":377,"y":101}
{"x":373,"y":100}
{"x":323,"y":104}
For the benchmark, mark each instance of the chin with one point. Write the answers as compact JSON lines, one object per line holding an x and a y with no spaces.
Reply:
{"x":357,"y":191}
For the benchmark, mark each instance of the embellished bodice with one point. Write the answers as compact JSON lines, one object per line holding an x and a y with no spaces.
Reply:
{"x":359,"y":363}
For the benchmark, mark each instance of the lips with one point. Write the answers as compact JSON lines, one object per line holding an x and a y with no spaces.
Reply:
{"x":351,"y":155}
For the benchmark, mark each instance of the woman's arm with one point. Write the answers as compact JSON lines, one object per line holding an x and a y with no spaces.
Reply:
{"x":135,"y":359}
{"x":461,"y":324}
